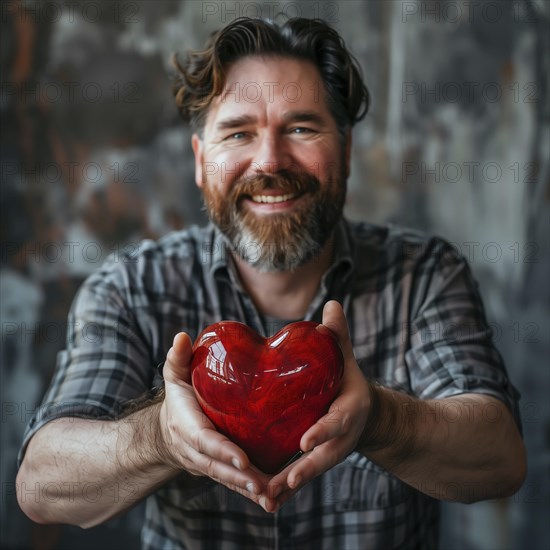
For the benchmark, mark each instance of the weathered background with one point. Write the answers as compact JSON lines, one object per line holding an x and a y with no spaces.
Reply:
{"x":94,"y":158}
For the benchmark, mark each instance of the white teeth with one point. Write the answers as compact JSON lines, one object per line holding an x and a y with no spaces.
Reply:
{"x":271,"y":198}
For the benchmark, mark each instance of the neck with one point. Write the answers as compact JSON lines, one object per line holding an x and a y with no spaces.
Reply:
{"x":287,"y":294}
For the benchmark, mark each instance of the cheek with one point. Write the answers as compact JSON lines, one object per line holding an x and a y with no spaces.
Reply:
{"x":223,"y":169}
{"x":328,"y":171}
{"x":229,"y":157}
{"x":319,"y":159}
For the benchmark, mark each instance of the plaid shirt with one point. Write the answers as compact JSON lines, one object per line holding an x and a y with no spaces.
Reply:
{"x":417,"y":325}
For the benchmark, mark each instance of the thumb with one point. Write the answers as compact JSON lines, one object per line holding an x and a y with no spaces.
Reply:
{"x":335,"y":320}
{"x":177,"y":367}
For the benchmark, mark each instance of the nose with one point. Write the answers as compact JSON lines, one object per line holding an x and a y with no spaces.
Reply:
{"x":271,"y":155}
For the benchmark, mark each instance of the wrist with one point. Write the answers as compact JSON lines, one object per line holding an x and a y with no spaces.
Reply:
{"x":371,"y":437}
{"x":163,"y":438}
{"x":147,"y":444}
{"x":390,"y":430}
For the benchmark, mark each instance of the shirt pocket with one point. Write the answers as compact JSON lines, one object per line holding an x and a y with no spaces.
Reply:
{"x":365,"y":486}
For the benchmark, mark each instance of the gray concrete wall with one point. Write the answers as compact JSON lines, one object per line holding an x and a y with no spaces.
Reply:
{"x":94,"y":157}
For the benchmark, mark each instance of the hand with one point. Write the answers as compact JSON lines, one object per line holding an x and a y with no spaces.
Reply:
{"x":192,"y":442}
{"x":336,"y":434}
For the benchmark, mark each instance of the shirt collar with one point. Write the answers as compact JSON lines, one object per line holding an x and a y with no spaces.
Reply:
{"x":219,"y":249}
{"x":343,"y":261}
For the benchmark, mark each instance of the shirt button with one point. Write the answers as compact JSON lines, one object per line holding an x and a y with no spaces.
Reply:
{"x":285,"y":530}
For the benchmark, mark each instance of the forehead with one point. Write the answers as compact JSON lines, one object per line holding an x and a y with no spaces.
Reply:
{"x":270,"y":85}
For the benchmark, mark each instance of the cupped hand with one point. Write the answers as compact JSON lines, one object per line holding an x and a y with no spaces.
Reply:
{"x":335,"y":435}
{"x":192,"y":442}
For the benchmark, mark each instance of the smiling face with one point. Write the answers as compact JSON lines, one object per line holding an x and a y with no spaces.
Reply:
{"x":271,"y":162}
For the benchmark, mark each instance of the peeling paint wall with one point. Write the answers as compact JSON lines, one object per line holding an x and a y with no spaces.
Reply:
{"x":94,"y":158}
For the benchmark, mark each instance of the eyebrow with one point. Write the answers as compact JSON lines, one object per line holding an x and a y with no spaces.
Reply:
{"x":291,"y":116}
{"x":235,"y":122}
{"x":303,"y":116}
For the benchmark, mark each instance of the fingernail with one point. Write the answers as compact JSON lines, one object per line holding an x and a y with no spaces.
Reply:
{"x":252,"y":488}
{"x":263,"y":503}
{"x":236,"y":462}
{"x":296,"y":482}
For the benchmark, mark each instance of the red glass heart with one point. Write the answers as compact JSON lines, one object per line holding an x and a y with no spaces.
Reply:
{"x":264,"y":393}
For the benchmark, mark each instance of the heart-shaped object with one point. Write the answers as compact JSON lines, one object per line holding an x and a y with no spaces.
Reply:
{"x":264,"y":393}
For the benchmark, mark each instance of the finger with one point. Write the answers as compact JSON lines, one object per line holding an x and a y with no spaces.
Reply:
{"x":227,"y":475}
{"x":204,"y":451}
{"x":178,"y":360}
{"x":268,"y":504}
{"x":282,"y":498}
{"x":215,"y":445}
{"x":195,"y":430}
{"x":332,"y":425}
{"x":335,"y":320}
{"x":316,"y":462}
{"x":278,"y":485}
{"x":250,"y":484}
{"x":277,"y":491}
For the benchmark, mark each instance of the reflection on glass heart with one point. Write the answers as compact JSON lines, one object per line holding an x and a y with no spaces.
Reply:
{"x":264,"y":393}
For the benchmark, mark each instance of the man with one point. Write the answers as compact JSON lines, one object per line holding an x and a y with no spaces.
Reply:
{"x":424,"y":413}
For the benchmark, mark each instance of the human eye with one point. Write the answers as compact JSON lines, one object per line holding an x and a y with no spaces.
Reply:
{"x":301,"y":130}
{"x":236,"y":136}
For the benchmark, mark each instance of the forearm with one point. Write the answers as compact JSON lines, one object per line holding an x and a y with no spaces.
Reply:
{"x":84,"y":472}
{"x":464,"y":448}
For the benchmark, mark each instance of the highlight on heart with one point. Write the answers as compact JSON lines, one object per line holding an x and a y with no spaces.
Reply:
{"x":264,"y":393}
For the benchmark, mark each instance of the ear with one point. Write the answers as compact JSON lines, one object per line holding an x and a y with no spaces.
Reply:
{"x":197,"y":144}
{"x":347,"y":153}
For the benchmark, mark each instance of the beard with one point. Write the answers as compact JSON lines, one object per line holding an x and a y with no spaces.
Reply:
{"x":278,"y":241}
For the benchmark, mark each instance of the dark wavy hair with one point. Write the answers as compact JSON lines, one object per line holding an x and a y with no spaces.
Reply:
{"x":202,"y":77}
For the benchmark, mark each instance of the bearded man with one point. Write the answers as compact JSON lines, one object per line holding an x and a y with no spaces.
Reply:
{"x":272,"y":109}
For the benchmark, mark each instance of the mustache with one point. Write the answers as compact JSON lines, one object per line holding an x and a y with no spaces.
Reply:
{"x":286,"y":181}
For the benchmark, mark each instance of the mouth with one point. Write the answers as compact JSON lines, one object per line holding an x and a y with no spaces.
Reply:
{"x":273,"y":199}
